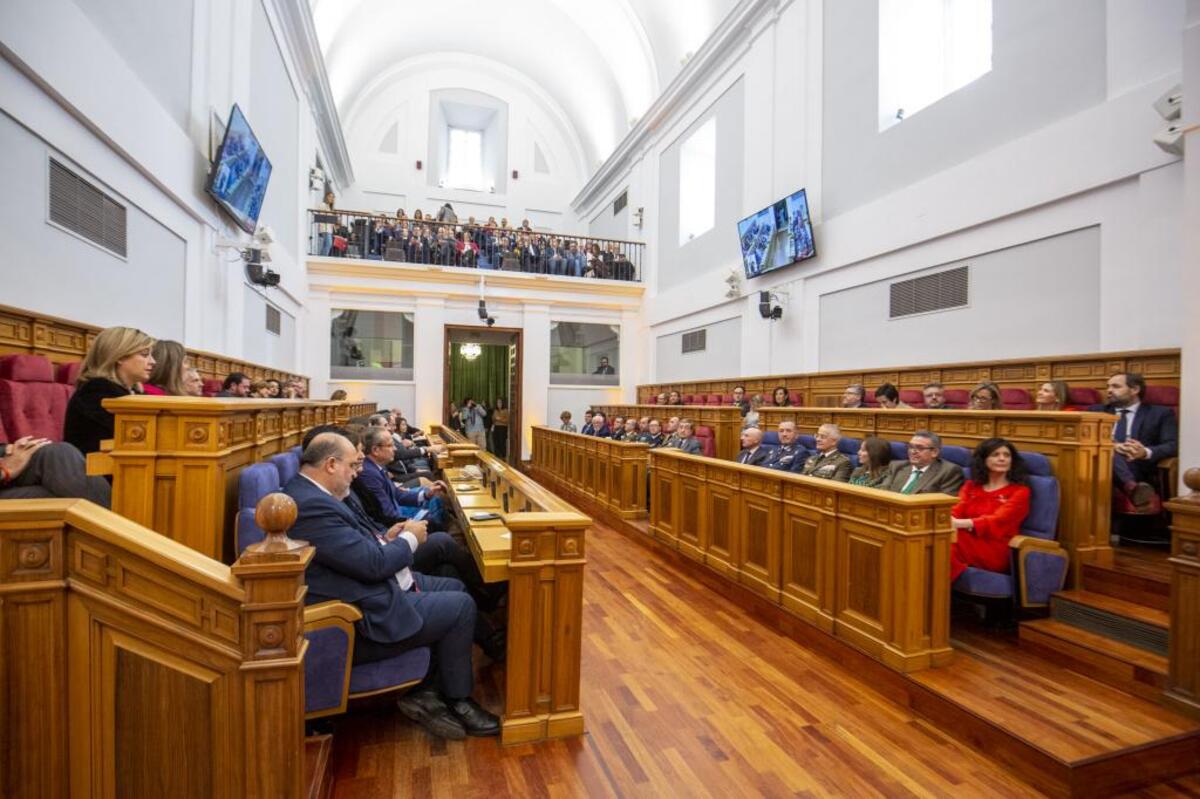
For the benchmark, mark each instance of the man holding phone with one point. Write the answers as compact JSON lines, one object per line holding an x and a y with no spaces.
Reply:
{"x":38,"y":468}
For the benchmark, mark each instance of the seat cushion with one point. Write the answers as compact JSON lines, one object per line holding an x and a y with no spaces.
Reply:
{"x":325,"y":668}
{"x":899,"y":450}
{"x":26,"y":368}
{"x":770,"y":439}
{"x":796,"y":398}
{"x":211,"y":387}
{"x":255,"y":482}
{"x":34,"y":409}
{"x":715,"y":399}
{"x":67,"y":373}
{"x":807,"y":441}
{"x":708,"y":443}
{"x":913,"y":397}
{"x":688,"y":399}
{"x":981,"y":582}
{"x":287,"y":464}
{"x":1042,"y":521}
{"x":957,"y":397}
{"x":1016,"y":399}
{"x":407,"y":667}
{"x":960,"y":456}
{"x":1084,"y":397}
{"x":1163,"y":395}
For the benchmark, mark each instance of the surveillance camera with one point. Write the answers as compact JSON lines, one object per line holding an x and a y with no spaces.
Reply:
{"x":264,"y":235}
{"x":491,"y":320}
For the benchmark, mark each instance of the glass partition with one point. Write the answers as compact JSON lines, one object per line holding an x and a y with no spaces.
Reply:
{"x":370,"y":345}
{"x":584,"y":354}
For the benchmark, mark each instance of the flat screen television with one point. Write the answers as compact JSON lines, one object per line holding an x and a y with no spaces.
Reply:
{"x":239,"y":177}
{"x":776,"y":236}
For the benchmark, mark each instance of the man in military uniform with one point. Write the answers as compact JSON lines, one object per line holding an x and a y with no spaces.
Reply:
{"x":828,"y":463}
{"x":789,"y":455}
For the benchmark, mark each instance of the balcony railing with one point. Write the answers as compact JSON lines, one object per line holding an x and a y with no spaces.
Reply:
{"x":354,"y":234}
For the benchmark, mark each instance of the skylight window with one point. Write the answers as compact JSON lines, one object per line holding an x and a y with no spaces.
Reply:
{"x":464,"y":167}
{"x":928,"y":49}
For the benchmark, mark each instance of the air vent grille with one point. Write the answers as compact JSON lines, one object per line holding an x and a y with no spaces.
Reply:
{"x":83,"y":209}
{"x":620,"y":203}
{"x":274,"y":320}
{"x":695,"y":341}
{"x":937,"y":292}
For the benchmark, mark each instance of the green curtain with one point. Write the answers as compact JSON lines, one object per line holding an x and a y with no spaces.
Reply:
{"x":483,"y":379}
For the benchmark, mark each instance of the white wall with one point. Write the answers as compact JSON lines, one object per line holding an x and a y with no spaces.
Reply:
{"x":721,"y":356}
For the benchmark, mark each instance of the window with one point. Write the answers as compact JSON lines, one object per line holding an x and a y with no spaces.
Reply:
{"x":370,"y":345}
{"x":464,"y":166}
{"x":583,"y":354}
{"x":698,"y":182}
{"x":928,"y":49}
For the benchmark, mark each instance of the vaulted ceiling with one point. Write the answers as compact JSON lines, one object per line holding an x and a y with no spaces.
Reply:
{"x":601,"y":62}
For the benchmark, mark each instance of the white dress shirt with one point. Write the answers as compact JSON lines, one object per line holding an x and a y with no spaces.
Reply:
{"x":1128,"y":418}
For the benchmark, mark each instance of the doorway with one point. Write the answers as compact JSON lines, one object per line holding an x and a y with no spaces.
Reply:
{"x":484,"y":364}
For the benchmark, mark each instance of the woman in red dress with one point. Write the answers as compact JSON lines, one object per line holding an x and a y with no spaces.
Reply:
{"x":991,"y":507}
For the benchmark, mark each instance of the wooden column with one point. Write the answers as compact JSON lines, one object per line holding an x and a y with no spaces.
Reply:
{"x":1183,"y":677}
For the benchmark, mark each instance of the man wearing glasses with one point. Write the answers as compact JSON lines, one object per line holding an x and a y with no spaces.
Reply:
{"x":925,"y":472}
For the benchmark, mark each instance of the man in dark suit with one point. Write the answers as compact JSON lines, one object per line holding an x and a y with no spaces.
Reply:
{"x":235,"y":385}
{"x":789,"y":456}
{"x":605,"y":368}
{"x":753,"y":452}
{"x":383,"y":497}
{"x":401,"y":609}
{"x":600,"y":427}
{"x":1143,"y":436}
{"x":925,"y":472}
{"x":686,"y":440}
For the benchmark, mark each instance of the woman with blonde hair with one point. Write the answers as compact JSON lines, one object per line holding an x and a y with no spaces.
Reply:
{"x":986,"y":397}
{"x":116,"y":365}
{"x":170,"y":370}
{"x":340,"y":394}
{"x":1052,"y":396}
{"x":260,"y":389}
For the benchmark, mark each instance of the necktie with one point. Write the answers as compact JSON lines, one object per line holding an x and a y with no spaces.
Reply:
{"x":913,"y":479}
{"x":1121,"y":431}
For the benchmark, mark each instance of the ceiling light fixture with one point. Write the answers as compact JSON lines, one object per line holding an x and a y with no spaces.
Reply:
{"x":470,"y":350}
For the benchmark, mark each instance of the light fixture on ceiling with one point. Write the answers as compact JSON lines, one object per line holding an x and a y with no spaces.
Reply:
{"x":470,"y":350}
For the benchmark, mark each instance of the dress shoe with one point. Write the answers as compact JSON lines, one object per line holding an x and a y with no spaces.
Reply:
{"x":474,"y":718}
{"x":1142,"y":496}
{"x":495,"y":646}
{"x":426,"y":708}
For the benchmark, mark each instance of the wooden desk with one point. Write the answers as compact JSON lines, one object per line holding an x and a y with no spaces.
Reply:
{"x":538,"y":546}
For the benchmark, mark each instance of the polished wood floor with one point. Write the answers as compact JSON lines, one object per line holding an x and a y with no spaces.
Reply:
{"x":685,"y":695}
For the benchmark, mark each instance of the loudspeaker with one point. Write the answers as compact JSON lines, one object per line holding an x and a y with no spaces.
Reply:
{"x":764,"y":304}
{"x":1170,"y":104}
{"x":1170,"y":139}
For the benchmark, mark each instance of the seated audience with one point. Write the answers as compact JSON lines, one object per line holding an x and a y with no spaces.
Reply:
{"x":888,"y":397}
{"x":337,"y":396}
{"x":273,"y":387}
{"x":643,"y":424}
{"x":170,"y":370}
{"x":671,"y":432}
{"x":617,"y":428}
{"x":382,"y":499}
{"x":925,"y":472}
{"x":401,"y":609}
{"x":991,"y":507}
{"x":38,"y":468}
{"x":828,"y":463}
{"x":739,"y":399}
{"x":653,"y":435}
{"x":986,"y":397}
{"x":566,"y":427}
{"x":686,"y":440}
{"x":787,"y":457}
{"x":874,"y":457}
{"x":750,"y":417}
{"x":935,"y":396}
{"x":236,"y":385}
{"x":1143,"y":436}
{"x":674,"y":399}
{"x":1051,"y":396}
{"x":661,"y":398}
{"x":780,"y":398}
{"x":116,"y":365}
{"x":600,"y":427}
{"x":193,"y":383}
{"x":631,"y":430}
{"x":753,"y":452}
{"x":588,"y":428}
{"x":854,"y":396}
{"x":260,"y":389}
{"x":407,"y":432}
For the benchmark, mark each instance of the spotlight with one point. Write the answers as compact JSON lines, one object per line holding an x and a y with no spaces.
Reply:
{"x":765,"y":309}
{"x":1170,"y":139}
{"x":1170,"y":105}
{"x":483,"y":314}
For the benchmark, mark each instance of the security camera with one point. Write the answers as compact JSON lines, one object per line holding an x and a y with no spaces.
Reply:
{"x":491,"y":320}
{"x":260,"y":275}
{"x":264,"y":236}
{"x":483,"y":313}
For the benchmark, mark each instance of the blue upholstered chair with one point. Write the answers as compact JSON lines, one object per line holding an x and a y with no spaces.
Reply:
{"x":1039,"y":563}
{"x":330,"y":678}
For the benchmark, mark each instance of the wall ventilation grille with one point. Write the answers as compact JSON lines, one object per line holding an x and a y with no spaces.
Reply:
{"x":86,"y":211}
{"x":620,"y":203}
{"x":274,"y":320}
{"x":696,"y":341}
{"x":937,"y":292}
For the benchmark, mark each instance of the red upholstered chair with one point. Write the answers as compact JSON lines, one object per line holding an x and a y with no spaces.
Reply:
{"x":1167,"y":396}
{"x":1016,"y":399}
{"x":796,"y":398}
{"x":212,"y":387}
{"x":687,"y":399}
{"x":913,"y":397}
{"x":67,"y":373}
{"x":725,"y":399}
{"x":31,"y":403}
{"x":870,"y":401}
{"x":652,"y":399}
{"x":3,"y":433}
{"x":716,"y":399}
{"x":1081,"y":397}
{"x":708,"y":441}
{"x":957,"y":398}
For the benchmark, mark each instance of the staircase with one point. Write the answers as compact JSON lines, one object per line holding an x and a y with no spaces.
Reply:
{"x":1114,"y":628}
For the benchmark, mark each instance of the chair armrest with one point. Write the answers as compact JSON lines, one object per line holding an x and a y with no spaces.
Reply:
{"x":1169,"y":475}
{"x":1039,"y":568}
{"x":98,"y":464}
{"x":321,"y":616}
{"x":1022,"y":542}
{"x":331,"y":610}
{"x":106,"y":445}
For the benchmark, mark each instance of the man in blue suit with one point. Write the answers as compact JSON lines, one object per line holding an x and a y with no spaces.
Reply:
{"x":383,"y":498}
{"x":401,"y":609}
{"x":1143,"y":436}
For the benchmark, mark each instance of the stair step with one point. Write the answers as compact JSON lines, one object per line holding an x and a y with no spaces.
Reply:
{"x":1127,"y":622}
{"x":1111,"y":662}
{"x":1129,"y":581}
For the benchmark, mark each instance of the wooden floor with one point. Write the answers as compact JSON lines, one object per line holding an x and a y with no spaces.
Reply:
{"x":685,"y":695}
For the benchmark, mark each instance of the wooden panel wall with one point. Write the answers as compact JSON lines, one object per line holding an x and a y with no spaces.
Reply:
{"x":822,"y":389}
{"x":63,"y":341}
{"x":133,"y":666}
{"x":612,"y":473}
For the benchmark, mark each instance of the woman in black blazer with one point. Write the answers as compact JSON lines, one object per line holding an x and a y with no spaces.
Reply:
{"x":116,"y":365}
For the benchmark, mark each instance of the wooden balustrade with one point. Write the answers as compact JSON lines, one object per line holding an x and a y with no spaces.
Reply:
{"x":131,"y":665}
{"x":176,"y":460}
{"x":870,"y":567}
{"x":1077,"y":444}
{"x":823,"y":389}
{"x":612,"y":473}
{"x":62,"y":341}
{"x":357,"y":409}
{"x":1183,"y":677}
{"x":537,"y":545}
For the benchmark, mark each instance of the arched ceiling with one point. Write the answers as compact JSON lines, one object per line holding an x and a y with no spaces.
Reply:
{"x":602,"y":62}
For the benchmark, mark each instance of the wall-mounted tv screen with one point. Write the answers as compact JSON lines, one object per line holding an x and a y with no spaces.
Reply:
{"x":776,"y":236}
{"x":240,"y":174}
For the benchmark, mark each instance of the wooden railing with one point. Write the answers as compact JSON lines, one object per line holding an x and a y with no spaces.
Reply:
{"x":871,"y":567}
{"x":1160,"y":367}
{"x":1077,"y":444}
{"x":1183,"y":678}
{"x":131,"y":665}
{"x":543,"y":559}
{"x":63,"y":341}
{"x":356,"y":409}
{"x":175,"y":461}
{"x":611,"y":473}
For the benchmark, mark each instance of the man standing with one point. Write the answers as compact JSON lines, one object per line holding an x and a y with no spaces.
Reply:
{"x":828,"y":463}
{"x":925,"y":472}
{"x":753,"y":452}
{"x":473,"y":415}
{"x":788,"y":456}
{"x":1143,"y":436}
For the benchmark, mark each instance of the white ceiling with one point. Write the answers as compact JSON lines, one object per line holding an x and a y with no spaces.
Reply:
{"x":602,"y":62}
